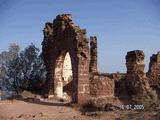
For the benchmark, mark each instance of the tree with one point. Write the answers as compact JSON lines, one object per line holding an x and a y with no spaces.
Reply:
{"x":22,"y":69}
{"x":33,"y":67}
{"x":12,"y":53}
{"x":7,"y":68}
{"x":7,"y":56}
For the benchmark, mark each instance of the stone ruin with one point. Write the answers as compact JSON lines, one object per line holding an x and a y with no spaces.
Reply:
{"x":154,"y":70}
{"x":136,"y":80}
{"x":62,"y":37}
{"x":79,"y":78}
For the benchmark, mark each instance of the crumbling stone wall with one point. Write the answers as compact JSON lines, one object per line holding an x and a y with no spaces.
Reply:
{"x":93,"y":54}
{"x":101,"y":85}
{"x":139,"y":90}
{"x":60,"y":37}
{"x":136,"y":80}
{"x":120,"y":84}
{"x":154,"y":70}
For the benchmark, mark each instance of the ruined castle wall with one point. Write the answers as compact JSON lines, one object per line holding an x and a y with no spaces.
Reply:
{"x":61,"y":37}
{"x":93,"y":54}
{"x":136,"y":80}
{"x":101,"y":85}
{"x":154,"y":70}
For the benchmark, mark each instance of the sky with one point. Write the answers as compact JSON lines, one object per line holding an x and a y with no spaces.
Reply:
{"x":120,"y":25}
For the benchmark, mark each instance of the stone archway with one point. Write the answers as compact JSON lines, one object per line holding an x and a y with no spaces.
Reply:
{"x":63,"y":76}
{"x":60,"y":37}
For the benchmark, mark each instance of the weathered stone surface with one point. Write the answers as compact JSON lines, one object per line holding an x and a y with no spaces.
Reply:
{"x":120,"y":84}
{"x":93,"y":53}
{"x":101,"y":86}
{"x":61,"y":37}
{"x":136,"y":79}
{"x":154,"y":70}
{"x":135,"y":62}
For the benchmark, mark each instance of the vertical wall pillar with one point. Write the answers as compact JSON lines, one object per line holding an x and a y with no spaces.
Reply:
{"x":136,"y":80}
{"x":154,"y":70}
{"x":58,"y":83}
{"x":93,"y":54}
{"x":49,"y":84}
{"x":83,"y":69}
{"x":135,"y":62}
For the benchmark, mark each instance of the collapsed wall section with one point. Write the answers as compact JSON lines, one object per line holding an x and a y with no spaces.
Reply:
{"x":136,"y":80}
{"x":62,"y":37}
{"x":101,"y":85}
{"x":154,"y":70}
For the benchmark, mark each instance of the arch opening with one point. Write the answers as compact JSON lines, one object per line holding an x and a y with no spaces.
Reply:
{"x":63,"y":77}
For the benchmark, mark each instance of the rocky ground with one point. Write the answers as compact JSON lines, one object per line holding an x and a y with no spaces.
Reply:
{"x":35,"y":108}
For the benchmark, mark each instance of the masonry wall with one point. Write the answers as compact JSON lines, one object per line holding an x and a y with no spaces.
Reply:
{"x":101,"y":86}
{"x":154,"y":70}
{"x":93,"y":54}
{"x":61,"y":37}
{"x":136,"y":80}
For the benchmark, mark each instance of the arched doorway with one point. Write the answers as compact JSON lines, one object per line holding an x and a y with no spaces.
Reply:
{"x":63,"y":76}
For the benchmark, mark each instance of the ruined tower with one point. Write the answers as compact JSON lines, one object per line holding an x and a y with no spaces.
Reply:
{"x":136,"y":79}
{"x":154,"y":70}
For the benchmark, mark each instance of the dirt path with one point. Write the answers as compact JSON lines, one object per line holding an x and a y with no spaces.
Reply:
{"x":38,"y":110}
{"x":20,"y":110}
